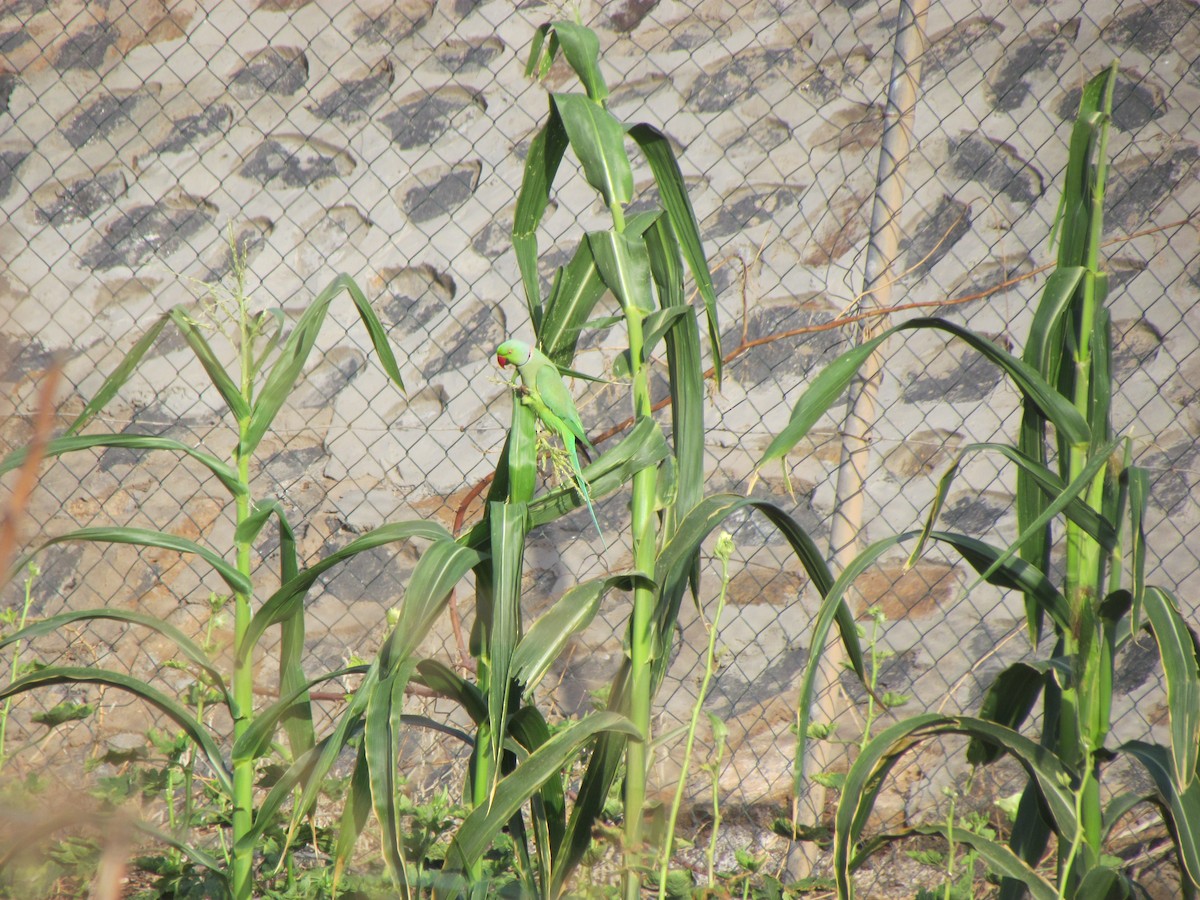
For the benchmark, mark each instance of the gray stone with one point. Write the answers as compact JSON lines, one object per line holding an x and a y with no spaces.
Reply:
{"x":295,"y":162}
{"x":370,"y":575}
{"x":101,"y":118}
{"x":332,"y":375}
{"x":398,"y":21}
{"x":897,"y":674}
{"x":739,"y":78}
{"x":271,"y":70}
{"x":1134,"y":193}
{"x":10,"y":161}
{"x":288,"y":465}
{"x":495,"y":238}
{"x":20,"y":358}
{"x":1136,"y":663}
{"x":14,"y":40}
{"x":60,"y":576}
{"x":414,"y":296}
{"x":8,"y":82}
{"x":787,"y":359}
{"x":1137,"y":101}
{"x":423,"y":119}
{"x":1041,"y":51}
{"x":732,"y":691}
{"x":957,"y":376}
{"x":457,"y":56}
{"x":1172,"y":484}
{"x":976,"y":513}
{"x":352,"y":101}
{"x":145,"y":231}
{"x":750,"y":206}
{"x":190,"y":131}
{"x":1136,"y":343}
{"x":959,"y":42}
{"x":935,"y":235}
{"x":439,"y":191}
{"x":87,"y":48}
{"x":1151,"y":27}
{"x":81,"y":198}
{"x":466,"y":341}
{"x":996,"y":165}
{"x":626,"y":15}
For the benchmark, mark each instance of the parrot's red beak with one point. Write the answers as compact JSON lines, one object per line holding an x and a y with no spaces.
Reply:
{"x":502,"y":361}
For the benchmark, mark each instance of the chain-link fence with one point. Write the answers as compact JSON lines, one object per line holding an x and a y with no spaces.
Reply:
{"x":386,"y":140}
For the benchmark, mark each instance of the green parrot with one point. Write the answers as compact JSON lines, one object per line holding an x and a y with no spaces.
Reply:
{"x":547,"y":393}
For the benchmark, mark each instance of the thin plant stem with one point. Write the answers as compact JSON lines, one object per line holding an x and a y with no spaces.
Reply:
{"x":724,"y":550}
{"x":32,"y":572}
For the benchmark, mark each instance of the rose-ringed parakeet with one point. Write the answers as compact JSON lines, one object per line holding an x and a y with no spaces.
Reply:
{"x":547,"y":394}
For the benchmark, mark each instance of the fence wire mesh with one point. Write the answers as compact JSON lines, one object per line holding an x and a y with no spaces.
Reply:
{"x":386,"y":140}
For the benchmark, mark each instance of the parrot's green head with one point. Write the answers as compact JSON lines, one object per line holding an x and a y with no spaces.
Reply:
{"x":515,"y":353}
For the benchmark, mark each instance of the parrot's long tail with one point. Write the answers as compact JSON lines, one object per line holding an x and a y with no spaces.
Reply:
{"x":581,"y":483}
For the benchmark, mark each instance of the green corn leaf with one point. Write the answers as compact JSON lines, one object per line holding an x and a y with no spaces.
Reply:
{"x":507,"y":546}
{"x":829,"y":385}
{"x":248,"y":529}
{"x":575,"y":293}
{"x":1046,"y":481}
{"x":175,"y":711}
{"x":1181,"y":804}
{"x":220,"y":379}
{"x":441,"y":678}
{"x":287,"y":368}
{"x":833,"y":608}
{"x":438,"y":570}
{"x":598,"y":140}
{"x":541,"y":165}
{"x":1008,"y":701}
{"x":999,"y":859}
{"x":673,"y":192}
{"x":116,"y":380}
{"x":548,"y":809}
{"x":187,"y":647}
{"x":658,"y":323}
{"x":381,"y":743}
{"x":643,"y":446}
{"x":581,"y":47}
{"x":1139,"y":491}
{"x":217,"y":867}
{"x":552,"y":632}
{"x":1119,"y":807}
{"x":482,"y":826}
{"x":255,"y":741}
{"x":685,"y":376}
{"x":1006,"y":571}
{"x":143,"y":537}
{"x":353,"y":819}
{"x":869,"y":771}
{"x":57,"y":447}
{"x":1177,"y":648}
{"x":282,"y":603}
{"x":298,"y":721}
{"x":624,"y":264}
{"x":1079,"y":484}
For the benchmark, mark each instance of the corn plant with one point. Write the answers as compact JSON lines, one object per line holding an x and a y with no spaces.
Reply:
{"x":269,"y":360}
{"x":1068,"y":464}
{"x":639,"y":262}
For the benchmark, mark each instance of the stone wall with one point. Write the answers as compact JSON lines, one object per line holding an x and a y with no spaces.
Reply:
{"x":386,"y":140}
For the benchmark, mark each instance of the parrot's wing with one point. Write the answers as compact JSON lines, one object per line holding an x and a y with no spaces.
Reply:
{"x":557,"y":398}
